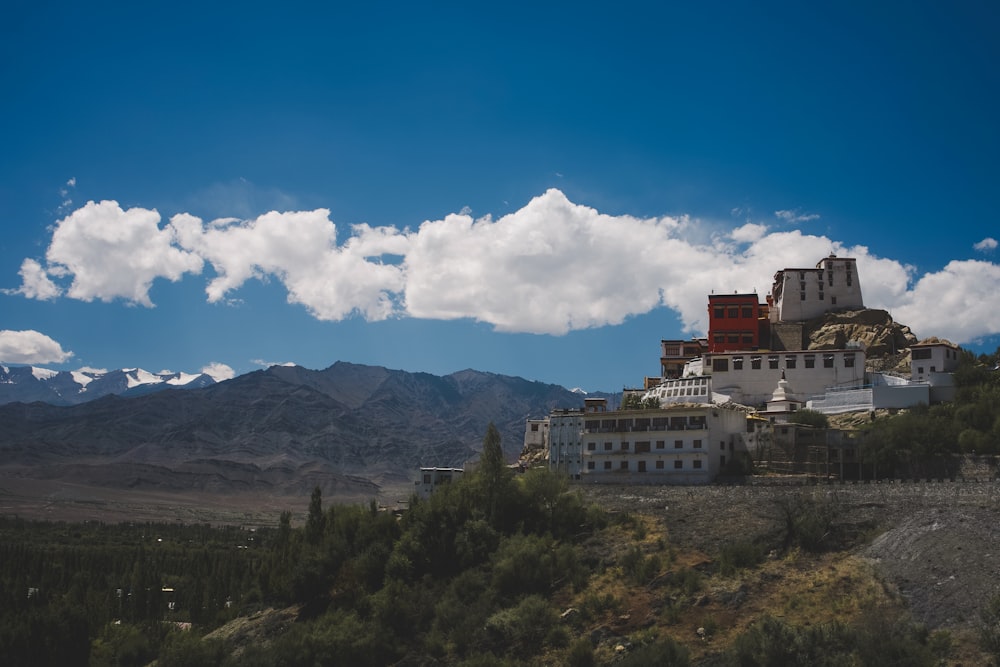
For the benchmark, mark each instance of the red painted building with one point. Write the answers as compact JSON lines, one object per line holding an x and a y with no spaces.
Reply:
{"x":737,"y":322}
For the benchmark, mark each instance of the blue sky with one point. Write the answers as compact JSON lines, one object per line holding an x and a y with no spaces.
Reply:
{"x":536,"y":190}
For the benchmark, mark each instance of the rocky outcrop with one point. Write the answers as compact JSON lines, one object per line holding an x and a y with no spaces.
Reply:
{"x":880,"y":335}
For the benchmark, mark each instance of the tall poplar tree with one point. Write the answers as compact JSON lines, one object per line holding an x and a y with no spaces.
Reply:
{"x":315,"y":521}
{"x":494,"y":477}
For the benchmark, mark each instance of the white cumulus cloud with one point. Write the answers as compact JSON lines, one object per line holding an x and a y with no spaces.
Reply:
{"x":219,"y":371}
{"x":30,"y":347}
{"x":749,"y":233}
{"x":113,"y":254}
{"x":988,"y":244}
{"x":35,"y":282}
{"x":551,"y":267}
{"x":961,"y":302}
{"x":300,"y":249}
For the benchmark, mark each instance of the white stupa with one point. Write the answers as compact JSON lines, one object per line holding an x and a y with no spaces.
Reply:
{"x":782,"y":402}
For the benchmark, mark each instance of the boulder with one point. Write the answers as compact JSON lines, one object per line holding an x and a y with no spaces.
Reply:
{"x":874,"y":329}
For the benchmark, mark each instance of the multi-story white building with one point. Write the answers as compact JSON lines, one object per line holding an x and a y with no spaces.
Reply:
{"x":681,"y":444}
{"x":929,"y":358}
{"x":536,"y":435}
{"x":750,"y":377}
{"x":565,"y":449}
{"x":933,"y":362}
{"x":431,"y":478}
{"x":802,"y":294}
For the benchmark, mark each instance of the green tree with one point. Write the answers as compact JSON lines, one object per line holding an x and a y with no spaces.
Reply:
{"x":989,"y":628}
{"x":495,"y":478}
{"x":315,"y":522}
{"x":284,"y":529}
{"x":809,"y":418}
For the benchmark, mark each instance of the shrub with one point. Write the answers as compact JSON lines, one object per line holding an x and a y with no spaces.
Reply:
{"x":581,"y":654}
{"x":809,"y":418}
{"x":664,"y":653}
{"x":989,"y":630}
{"x":689,"y":581}
{"x":594,"y":605}
{"x":877,"y":638}
{"x":526,"y":564}
{"x":804,"y":522}
{"x":739,"y":555}
{"x":184,"y":649}
{"x":638,"y":568}
{"x":523,"y":627}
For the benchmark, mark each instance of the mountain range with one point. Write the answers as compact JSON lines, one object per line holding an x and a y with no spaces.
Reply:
{"x":353,"y":430}
{"x":30,"y":383}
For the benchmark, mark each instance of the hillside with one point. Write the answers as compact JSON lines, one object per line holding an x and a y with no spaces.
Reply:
{"x":356,"y":431}
{"x":858,"y":574}
{"x":919,"y":549}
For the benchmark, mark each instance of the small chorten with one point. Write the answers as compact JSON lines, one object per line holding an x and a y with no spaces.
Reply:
{"x":782,"y":401}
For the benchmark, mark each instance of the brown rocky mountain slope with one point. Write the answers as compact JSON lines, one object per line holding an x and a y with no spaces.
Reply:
{"x":356,"y":431}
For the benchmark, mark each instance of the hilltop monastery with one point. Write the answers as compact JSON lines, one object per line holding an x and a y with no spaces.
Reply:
{"x":720,"y":400}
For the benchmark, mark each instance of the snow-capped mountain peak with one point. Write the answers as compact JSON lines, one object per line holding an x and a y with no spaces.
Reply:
{"x":27,"y":384}
{"x":43,"y":373}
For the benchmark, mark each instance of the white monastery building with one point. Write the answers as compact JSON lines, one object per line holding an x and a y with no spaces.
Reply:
{"x":699,"y":417}
{"x":802,"y":294}
{"x":680,"y":444}
{"x":750,"y":377}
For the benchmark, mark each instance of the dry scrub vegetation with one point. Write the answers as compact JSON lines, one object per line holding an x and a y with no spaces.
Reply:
{"x":500,"y":570}
{"x":882,"y":556}
{"x":865,"y":574}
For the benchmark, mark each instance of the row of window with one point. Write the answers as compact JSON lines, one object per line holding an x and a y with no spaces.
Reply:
{"x":696,"y":464}
{"x":732,"y":312}
{"x":683,"y":391}
{"x":926,"y":353}
{"x":721,"y":364}
{"x":733,"y":337}
{"x":833,"y":299}
{"x":643,"y":446}
{"x":646,"y":425}
{"x":686,"y":352}
{"x":829,"y":274}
